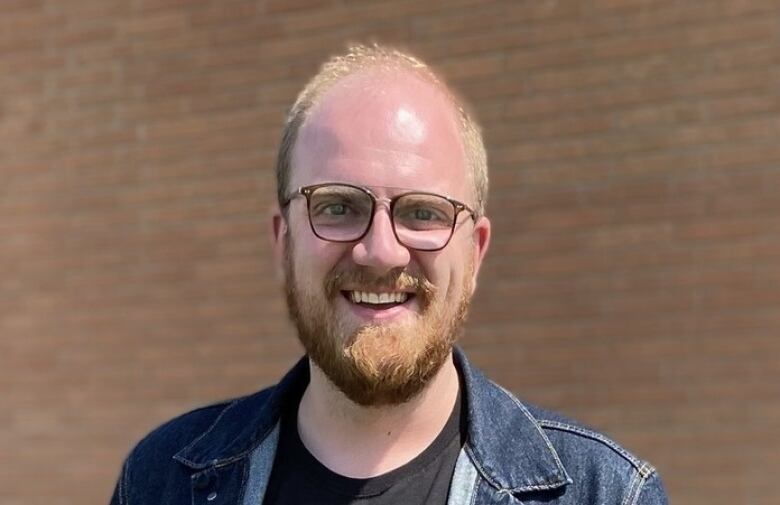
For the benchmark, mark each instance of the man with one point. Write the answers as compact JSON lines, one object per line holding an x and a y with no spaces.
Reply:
{"x":380,"y":232}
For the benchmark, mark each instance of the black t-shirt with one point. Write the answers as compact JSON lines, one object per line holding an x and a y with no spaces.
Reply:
{"x":299,"y":478}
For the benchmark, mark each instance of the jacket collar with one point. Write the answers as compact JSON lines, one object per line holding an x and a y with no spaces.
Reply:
{"x":245,"y":423}
{"x":505,"y":442}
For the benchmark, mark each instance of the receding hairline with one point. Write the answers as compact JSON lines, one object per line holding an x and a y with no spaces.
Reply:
{"x":382,"y":60}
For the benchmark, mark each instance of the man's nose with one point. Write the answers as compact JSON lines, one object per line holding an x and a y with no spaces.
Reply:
{"x":379,"y":249}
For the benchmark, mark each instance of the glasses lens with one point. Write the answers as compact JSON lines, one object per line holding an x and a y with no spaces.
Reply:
{"x":423,"y":221}
{"x":340,"y":213}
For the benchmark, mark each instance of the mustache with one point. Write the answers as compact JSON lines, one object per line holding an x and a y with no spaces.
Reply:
{"x":395,"y":280}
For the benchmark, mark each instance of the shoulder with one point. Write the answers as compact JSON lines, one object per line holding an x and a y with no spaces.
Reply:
{"x":185,"y":430}
{"x":150,"y":469}
{"x":153,"y":467}
{"x":595,"y":462}
{"x":570,"y":436}
{"x":521,"y":448}
{"x":173,"y":435}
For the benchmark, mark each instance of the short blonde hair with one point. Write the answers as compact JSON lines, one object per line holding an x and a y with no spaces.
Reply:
{"x":361,"y":57}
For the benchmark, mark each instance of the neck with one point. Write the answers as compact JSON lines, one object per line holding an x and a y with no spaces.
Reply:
{"x":361,"y":442}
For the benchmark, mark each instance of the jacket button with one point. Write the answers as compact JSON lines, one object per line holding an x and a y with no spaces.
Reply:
{"x":211,"y":496}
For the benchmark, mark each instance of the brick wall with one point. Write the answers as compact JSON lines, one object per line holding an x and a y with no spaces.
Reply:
{"x":633,"y":278}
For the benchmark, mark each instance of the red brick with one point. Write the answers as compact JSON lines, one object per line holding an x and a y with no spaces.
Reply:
{"x":284,"y":6}
{"x":632,"y":276}
{"x":141,"y":26}
{"x":753,"y":103}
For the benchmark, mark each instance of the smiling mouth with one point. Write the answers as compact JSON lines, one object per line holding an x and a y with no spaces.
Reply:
{"x":376,"y":300}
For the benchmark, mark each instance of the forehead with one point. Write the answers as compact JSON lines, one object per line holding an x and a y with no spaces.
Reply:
{"x":387,"y":128}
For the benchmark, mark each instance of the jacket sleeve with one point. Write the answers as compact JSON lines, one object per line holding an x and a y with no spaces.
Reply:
{"x":119,"y":498}
{"x":652,"y":492}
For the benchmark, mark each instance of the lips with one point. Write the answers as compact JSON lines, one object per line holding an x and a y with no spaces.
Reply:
{"x":386,"y":297}
{"x":377,"y":300}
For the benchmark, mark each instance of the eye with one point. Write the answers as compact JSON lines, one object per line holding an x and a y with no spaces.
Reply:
{"x":332,"y":208}
{"x":423,"y":214}
{"x":335,"y":209}
{"x":334,"y":205}
{"x":422,"y":218}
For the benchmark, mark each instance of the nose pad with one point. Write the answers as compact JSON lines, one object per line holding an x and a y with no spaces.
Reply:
{"x":380,"y":248}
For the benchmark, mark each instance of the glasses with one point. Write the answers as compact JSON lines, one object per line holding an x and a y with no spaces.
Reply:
{"x":344,"y":213}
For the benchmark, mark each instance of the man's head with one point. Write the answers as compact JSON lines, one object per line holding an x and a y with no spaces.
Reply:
{"x":377,"y":314}
{"x":361,"y":58}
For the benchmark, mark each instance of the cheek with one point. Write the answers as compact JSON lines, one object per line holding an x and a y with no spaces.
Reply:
{"x":438,"y":269}
{"x":450,"y":268}
{"x":314,"y":258}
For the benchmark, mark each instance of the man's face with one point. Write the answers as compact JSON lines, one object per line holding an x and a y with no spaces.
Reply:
{"x":392,"y":134}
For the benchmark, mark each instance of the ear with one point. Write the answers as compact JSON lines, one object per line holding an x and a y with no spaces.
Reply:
{"x":481,"y":242}
{"x":278,"y":231}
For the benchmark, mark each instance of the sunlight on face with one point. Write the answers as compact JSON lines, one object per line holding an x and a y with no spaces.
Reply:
{"x":408,"y":126}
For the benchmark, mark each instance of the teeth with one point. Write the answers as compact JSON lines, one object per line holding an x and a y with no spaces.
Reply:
{"x":377,"y":298}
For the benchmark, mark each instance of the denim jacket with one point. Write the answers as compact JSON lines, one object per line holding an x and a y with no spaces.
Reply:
{"x":514,"y":454}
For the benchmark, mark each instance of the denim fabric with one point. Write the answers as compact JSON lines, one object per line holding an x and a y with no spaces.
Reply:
{"x":464,"y":481}
{"x":515,"y":454}
{"x":260,"y":465}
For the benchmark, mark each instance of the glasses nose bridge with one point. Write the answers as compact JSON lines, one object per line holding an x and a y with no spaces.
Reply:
{"x":379,"y":204}
{"x":380,"y":246}
{"x":385,"y":202}
{"x":379,"y":201}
